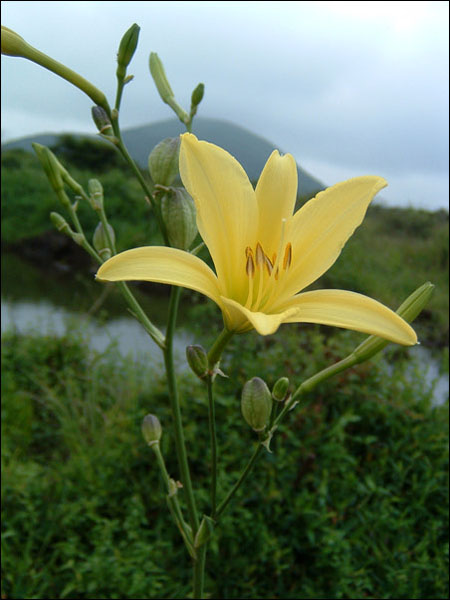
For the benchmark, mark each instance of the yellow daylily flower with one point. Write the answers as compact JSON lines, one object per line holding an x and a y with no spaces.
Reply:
{"x":264,"y":254}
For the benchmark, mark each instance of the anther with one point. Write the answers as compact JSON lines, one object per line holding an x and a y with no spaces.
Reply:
{"x":250,"y":265}
{"x":287,"y":256}
{"x":259,"y":255}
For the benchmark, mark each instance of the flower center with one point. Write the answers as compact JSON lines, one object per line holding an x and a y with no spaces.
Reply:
{"x":264,"y":271}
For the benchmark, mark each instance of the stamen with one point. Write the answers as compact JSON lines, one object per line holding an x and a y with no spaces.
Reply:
{"x":250,"y":266}
{"x":280,"y":247}
{"x":287,"y":256}
{"x":259,"y":255}
{"x":268,"y":263}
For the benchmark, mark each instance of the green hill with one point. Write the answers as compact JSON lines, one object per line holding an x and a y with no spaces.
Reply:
{"x":250,"y":149}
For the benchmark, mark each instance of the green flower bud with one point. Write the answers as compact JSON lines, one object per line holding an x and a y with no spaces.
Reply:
{"x":198,"y":360}
{"x":127,"y":48}
{"x":60,"y":223}
{"x":151,"y":429}
{"x":163,"y":87}
{"x":100,"y":241}
{"x":256,"y":403}
{"x":197,"y":94}
{"x":95,"y":190}
{"x":51,"y":166}
{"x":163,"y":161}
{"x":408,"y":310}
{"x":160,"y":78}
{"x":12,"y":43}
{"x":178,"y":213}
{"x":102,"y":121}
{"x":280,"y":389}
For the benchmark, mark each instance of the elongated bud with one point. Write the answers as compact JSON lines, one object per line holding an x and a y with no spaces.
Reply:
{"x":60,"y":223}
{"x":127,"y":48}
{"x":102,"y":121}
{"x":95,"y":190}
{"x":280,"y":389}
{"x":151,"y":429}
{"x":160,"y":78}
{"x":14,"y":45}
{"x":163,"y":86}
{"x":197,"y":360}
{"x":256,"y":403}
{"x":163,"y":161}
{"x":408,"y":310}
{"x":100,"y":241}
{"x":179,"y":216}
{"x":51,"y":166}
{"x":197,"y":95}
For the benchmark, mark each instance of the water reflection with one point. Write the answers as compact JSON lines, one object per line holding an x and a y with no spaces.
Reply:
{"x":56,"y":302}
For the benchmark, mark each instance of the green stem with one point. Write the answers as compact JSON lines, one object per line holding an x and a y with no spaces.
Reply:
{"x":172,"y":501}
{"x":240,"y":481}
{"x":218,"y":347}
{"x":213,"y":440}
{"x":199,"y":572}
{"x":176,"y":411}
{"x":140,"y":315}
{"x":313,"y":381}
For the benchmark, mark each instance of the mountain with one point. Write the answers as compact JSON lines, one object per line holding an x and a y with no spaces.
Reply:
{"x":249,"y":149}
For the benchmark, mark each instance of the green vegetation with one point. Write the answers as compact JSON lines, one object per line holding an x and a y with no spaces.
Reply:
{"x":351,"y":504}
{"x":391,"y":254}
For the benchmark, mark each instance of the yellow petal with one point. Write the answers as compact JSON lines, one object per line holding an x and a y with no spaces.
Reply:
{"x":350,"y":310}
{"x":240,"y":319}
{"x":227,"y":216}
{"x":276,"y":194}
{"x":162,"y":265}
{"x":319,"y":230}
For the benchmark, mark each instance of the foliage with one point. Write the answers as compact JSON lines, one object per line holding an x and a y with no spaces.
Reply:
{"x":28,"y":201}
{"x":351,"y":504}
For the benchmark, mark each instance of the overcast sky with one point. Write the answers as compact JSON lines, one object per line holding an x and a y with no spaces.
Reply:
{"x":349,"y":88}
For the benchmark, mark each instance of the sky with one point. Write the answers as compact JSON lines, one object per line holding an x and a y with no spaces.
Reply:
{"x":348,"y":88}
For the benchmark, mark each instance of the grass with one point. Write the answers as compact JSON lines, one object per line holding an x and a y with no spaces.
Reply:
{"x":351,"y":504}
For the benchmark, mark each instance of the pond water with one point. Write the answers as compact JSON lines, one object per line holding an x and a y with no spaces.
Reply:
{"x":56,"y":301}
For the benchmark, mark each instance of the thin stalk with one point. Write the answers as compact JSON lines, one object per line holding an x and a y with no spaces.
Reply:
{"x":218,"y":347}
{"x":199,"y":572}
{"x":176,"y":411}
{"x":172,"y":501}
{"x":240,"y":481}
{"x":213,"y":441}
{"x":313,"y":381}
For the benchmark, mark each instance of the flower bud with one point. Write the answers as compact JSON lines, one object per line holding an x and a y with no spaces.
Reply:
{"x":127,"y":48}
{"x":280,"y":389}
{"x":160,"y":78}
{"x":151,"y":429}
{"x":100,"y":241}
{"x":197,"y":94}
{"x":102,"y":121}
{"x":51,"y":166}
{"x":198,"y":360}
{"x":408,"y":310}
{"x":12,"y":43}
{"x":163,"y":161}
{"x":256,"y":403}
{"x":95,"y":190}
{"x":178,"y":213}
{"x":163,"y":87}
{"x":60,"y":223}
